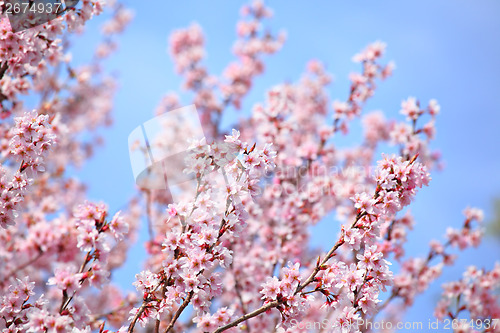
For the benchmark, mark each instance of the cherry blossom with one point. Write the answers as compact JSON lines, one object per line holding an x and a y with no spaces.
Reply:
{"x":228,"y":248}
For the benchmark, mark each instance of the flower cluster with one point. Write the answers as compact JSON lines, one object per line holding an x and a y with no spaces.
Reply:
{"x":93,"y":229}
{"x":363,"y":84}
{"x":24,"y":52}
{"x":228,"y":245}
{"x":417,"y":273}
{"x":43,"y":243}
{"x":252,"y":43}
{"x":284,"y":292}
{"x":475,"y":293}
{"x":32,"y":137}
{"x":15,"y":302}
{"x":413,"y":140}
{"x":30,"y":141}
{"x":210,"y":322}
{"x":397,"y":181}
{"x":197,"y":243}
{"x":213,"y":94}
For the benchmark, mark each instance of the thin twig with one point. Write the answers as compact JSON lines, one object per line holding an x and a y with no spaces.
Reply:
{"x":158,"y":321}
{"x":327,"y":257}
{"x":179,"y":311}
{"x":252,"y":314}
{"x":137,"y":315}
{"x":238,"y":293}
{"x":149,"y":215}
{"x":300,"y":287}
{"x":67,"y":300}
{"x":23,"y":266}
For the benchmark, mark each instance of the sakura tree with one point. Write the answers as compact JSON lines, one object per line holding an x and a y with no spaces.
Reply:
{"x":231,"y":251}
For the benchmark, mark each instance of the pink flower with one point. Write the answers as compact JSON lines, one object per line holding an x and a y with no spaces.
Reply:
{"x":364,"y":203}
{"x":87,"y":240}
{"x":351,"y":279}
{"x":118,"y":226}
{"x":368,"y":303}
{"x":31,"y":138}
{"x":347,"y":319}
{"x":434,"y":107}
{"x":171,"y":210}
{"x":353,"y":237}
{"x":146,"y":281}
{"x":341,"y":109}
{"x":472,"y":213}
{"x":370,"y":259}
{"x":66,"y":280}
{"x":271,"y":288}
{"x":99,"y":275}
{"x":410,"y":108}
{"x":228,"y":240}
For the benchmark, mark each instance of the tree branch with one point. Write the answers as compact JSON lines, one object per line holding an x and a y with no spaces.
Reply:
{"x":252,"y":314}
{"x":179,"y":311}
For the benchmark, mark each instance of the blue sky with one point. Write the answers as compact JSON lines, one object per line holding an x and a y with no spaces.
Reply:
{"x":448,"y":50}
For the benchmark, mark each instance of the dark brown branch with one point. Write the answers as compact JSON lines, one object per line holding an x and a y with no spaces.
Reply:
{"x":179,"y":311}
{"x":137,"y":315}
{"x":252,"y":314}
